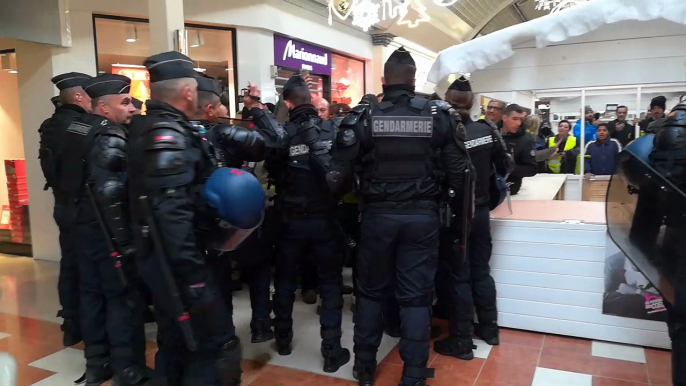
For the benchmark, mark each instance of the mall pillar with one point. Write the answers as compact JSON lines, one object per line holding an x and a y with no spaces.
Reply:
{"x":36,"y":65}
{"x":255,"y":49}
{"x":166,"y":17}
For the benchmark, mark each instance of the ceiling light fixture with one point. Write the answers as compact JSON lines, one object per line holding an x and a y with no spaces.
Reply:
{"x":13,"y":71}
{"x":132,"y":33}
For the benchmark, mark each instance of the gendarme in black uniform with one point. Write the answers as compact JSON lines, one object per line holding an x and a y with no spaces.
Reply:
{"x":112,"y":323}
{"x":410,"y":151}
{"x":463,"y":285}
{"x":169,"y":163}
{"x":52,"y":133}
{"x":522,"y":147}
{"x":232,"y":146}
{"x":308,"y":182}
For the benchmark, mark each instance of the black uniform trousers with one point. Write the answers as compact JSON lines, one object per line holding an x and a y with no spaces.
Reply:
{"x":320,"y":237}
{"x":253,"y":260}
{"x":463,"y":286}
{"x":211,"y":323}
{"x":111,"y":314}
{"x":68,"y":281}
{"x":396,"y":251}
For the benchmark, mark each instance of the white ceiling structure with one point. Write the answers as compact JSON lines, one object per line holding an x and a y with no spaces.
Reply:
{"x":457,"y":23}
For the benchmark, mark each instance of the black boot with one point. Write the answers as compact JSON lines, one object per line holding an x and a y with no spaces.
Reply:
{"x":488,"y":333}
{"x":72,"y":332}
{"x":229,"y":364}
{"x":97,"y":375}
{"x":261,"y":331}
{"x":454,"y":346}
{"x":364,"y":376}
{"x":283,"y":342}
{"x":334,"y":357}
{"x":134,"y":376}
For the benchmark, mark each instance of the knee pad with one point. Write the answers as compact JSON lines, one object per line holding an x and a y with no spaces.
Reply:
{"x":332,"y":303}
{"x":229,"y":363}
{"x":200,"y":298}
{"x":425,"y":300}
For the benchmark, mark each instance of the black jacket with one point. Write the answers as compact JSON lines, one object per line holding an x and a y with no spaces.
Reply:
{"x":487,"y":152}
{"x":169,"y":162}
{"x":446,"y":141}
{"x":522,"y":146}
{"x":625,"y":136}
{"x":299,"y":169}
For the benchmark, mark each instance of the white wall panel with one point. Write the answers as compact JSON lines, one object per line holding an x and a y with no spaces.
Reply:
{"x":545,"y":280}
{"x":550,"y":278}
{"x":549,"y":295}
{"x":543,"y":265}
{"x":543,"y":235}
{"x":554,"y":251}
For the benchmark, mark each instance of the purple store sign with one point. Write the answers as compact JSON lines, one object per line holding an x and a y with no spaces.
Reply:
{"x":293,"y":54}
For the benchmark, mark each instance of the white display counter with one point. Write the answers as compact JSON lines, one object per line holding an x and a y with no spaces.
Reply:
{"x":548,"y":264}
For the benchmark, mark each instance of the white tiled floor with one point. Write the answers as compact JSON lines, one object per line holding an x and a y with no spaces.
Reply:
{"x":60,"y":379}
{"x":68,"y":360}
{"x":34,"y":288}
{"x":618,"y":351}
{"x":549,"y":377}
{"x":482,"y":349}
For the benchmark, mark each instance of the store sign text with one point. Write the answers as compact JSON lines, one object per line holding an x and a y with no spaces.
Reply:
{"x":296,"y":55}
{"x":292,"y":51}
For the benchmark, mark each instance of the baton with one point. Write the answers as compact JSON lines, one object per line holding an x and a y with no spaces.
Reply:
{"x":114,"y":252}
{"x":161,"y":255}
{"x":466,"y":206}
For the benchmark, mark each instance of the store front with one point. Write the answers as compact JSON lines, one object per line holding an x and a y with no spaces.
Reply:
{"x":15,"y":233}
{"x":122,"y":44}
{"x":338,"y":78}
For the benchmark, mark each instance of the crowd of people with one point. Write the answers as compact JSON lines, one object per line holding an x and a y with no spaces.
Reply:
{"x":157,"y":211}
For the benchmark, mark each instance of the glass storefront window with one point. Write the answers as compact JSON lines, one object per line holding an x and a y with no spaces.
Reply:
{"x":122,"y":45}
{"x":347,"y":80}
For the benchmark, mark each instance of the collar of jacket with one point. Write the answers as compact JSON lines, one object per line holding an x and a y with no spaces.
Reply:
{"x":302,"y":113}
{"x":161,"y":108}
{"x":73,"y":107}
{"x":395,"y":92}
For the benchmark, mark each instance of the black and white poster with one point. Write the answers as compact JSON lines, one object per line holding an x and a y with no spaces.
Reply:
{"x":627,"y":291}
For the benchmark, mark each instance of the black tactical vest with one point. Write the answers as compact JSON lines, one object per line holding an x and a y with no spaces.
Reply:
{"x":78,"y":141}
{"x":402,"y":164}
{"x":52,"y":133}
{"x":301,"y":189}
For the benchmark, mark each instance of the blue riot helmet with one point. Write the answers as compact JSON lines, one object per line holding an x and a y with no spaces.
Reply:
{"x":641,"y":147}
{"x":239,"y":200}
{"x":498,"y":191}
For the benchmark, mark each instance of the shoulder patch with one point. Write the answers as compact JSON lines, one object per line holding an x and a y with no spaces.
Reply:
{"x":533,"y":153}
{"x":443,"y":105}
{"x":104,"y":122}
{"x":79,"y":128}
